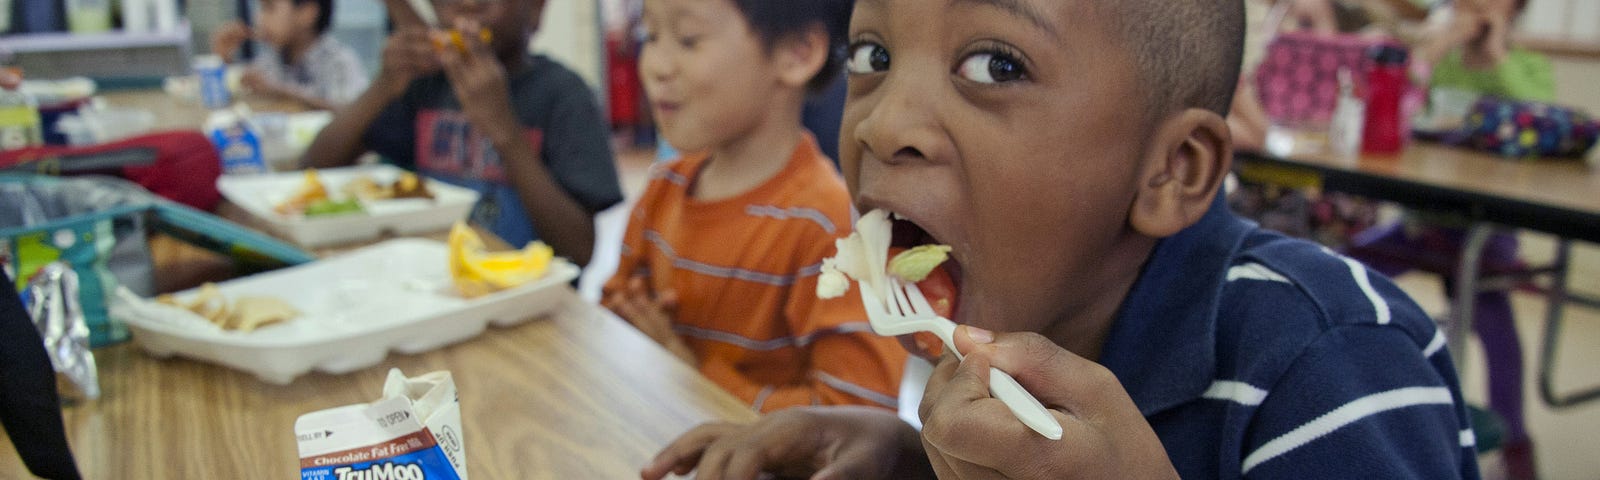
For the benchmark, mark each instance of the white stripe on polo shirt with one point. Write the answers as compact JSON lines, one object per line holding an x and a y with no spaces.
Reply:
{"x":1255,"y":271}
{"x":1436,"y":344}
{"x":1237,"y":392}
{"x":1359,"y":271}
{"x":1346,"y":414}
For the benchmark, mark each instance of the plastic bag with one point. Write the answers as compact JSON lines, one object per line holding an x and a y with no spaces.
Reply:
{"x":93,"y":224}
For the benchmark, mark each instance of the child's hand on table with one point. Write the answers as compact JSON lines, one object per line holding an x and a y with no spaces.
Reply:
{"x":819,"y":443}
{"x":479,"y":81}
{"x":969,"y":434}
{"x":652,"y":313}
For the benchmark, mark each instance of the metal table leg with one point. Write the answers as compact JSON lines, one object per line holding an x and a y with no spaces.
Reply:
{"x":1460,"y":328}
{"x":1558,"y":298}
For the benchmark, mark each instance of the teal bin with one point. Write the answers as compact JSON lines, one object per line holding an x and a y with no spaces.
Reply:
{"x":99,"y":225}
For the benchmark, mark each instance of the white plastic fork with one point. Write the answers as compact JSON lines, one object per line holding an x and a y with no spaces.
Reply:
{"x":909,"y":312}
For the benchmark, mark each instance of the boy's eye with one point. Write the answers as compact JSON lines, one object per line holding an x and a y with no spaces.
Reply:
{"x":689,"y":41}
{"x":867,"y":58}
{"x":991,"y":67}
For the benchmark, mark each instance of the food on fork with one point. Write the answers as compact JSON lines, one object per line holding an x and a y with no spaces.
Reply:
{"x":919,"y":265}
{"x":915,"y":264}
{"x":861,"y":256}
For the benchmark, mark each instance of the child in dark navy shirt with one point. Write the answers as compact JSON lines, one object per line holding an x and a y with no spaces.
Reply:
{"x":522,"y":130}
{"x":1070,"y":151}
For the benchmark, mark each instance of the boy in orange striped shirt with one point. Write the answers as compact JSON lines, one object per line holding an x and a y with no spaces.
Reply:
{"x":721,"y":256}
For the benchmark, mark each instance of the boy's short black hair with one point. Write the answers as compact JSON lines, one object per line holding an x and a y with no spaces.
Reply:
{"x":1188,"y":52}
{"x":774,"y":20}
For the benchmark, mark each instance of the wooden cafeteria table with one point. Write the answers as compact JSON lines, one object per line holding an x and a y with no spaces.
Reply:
{"x":1556,"y":196}
{"x":579,"y":394}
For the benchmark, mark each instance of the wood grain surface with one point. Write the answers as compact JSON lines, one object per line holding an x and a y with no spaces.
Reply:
{"x":579,"y":394}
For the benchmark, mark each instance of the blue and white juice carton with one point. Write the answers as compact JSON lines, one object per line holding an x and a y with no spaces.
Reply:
{"x":412,"y":433}
{"x":213,"y":75}
{"x":237,"y":142}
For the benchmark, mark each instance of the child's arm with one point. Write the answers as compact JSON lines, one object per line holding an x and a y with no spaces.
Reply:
{"x":632,"y":293}
{"x":259,"y":83}
{"x":970,"y":435}
{"x":407,"y":55}
{"x":227,"y":39}
{"x":479,"y":81}
{"x":831,"y":443}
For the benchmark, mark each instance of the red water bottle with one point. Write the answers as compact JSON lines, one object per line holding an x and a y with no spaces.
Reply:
{"x":1385,"y":130}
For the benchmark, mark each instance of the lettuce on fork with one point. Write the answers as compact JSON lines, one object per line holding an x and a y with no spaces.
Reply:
{"x":863,"y":256}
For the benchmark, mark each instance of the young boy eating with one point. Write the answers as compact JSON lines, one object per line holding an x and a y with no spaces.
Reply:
{"x":721,"y":257}
{"x":302,"y":63}
{"x":482,"y":113}
{"x":1070,"y":151}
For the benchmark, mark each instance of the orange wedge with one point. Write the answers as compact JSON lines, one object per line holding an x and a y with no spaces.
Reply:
{"x":477,"y":271}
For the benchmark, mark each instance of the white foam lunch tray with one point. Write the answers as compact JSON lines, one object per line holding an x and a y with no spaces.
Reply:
{"x":258,"y":193}
{"x":396,"y":295}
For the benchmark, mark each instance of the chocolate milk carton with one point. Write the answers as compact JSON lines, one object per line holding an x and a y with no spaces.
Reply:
{"x":412,"y":433}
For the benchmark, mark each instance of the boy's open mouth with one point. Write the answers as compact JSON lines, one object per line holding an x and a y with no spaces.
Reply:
{"x":943,"y":286}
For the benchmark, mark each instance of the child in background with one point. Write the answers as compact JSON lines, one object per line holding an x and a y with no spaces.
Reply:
{"x":1470,"y":49}
{"x":522,"y":130}
{"x":303,"y":62}
{"x":721,"y":257}
{"x":1071,"y":151}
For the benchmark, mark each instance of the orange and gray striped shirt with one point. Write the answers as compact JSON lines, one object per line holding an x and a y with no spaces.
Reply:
{"x":745,"y":270}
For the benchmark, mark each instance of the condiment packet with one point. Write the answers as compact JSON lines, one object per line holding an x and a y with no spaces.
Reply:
{"x":412,"y":433}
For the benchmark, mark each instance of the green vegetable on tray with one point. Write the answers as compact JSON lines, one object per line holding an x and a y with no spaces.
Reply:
{"x":323,"y":208}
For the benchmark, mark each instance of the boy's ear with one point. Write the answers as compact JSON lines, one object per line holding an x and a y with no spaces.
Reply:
{"x":1185,"y":164}
{"x":800,"y":56}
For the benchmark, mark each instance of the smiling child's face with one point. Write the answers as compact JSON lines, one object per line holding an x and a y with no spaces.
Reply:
{"x":1011,"y":130}
{"x":704,"y":70}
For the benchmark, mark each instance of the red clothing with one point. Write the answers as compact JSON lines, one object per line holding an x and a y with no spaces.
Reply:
{"x":745,"y":270}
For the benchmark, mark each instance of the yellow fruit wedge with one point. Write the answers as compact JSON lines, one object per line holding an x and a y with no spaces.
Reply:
{"x":478,"y":272}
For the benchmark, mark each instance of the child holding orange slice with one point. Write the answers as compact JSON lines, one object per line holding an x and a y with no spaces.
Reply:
{"x":479,"y":112}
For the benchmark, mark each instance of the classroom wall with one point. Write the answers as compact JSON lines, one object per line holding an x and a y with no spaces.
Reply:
{"x":1573,"y":21}
{"x":1575,"y":80}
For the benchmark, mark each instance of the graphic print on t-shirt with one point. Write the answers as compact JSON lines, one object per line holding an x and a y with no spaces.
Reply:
{"x":448,"y":145}
{"x":450,"y":149}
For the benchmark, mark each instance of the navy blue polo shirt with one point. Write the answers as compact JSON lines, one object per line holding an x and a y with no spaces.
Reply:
{"x":1254,"y":355}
